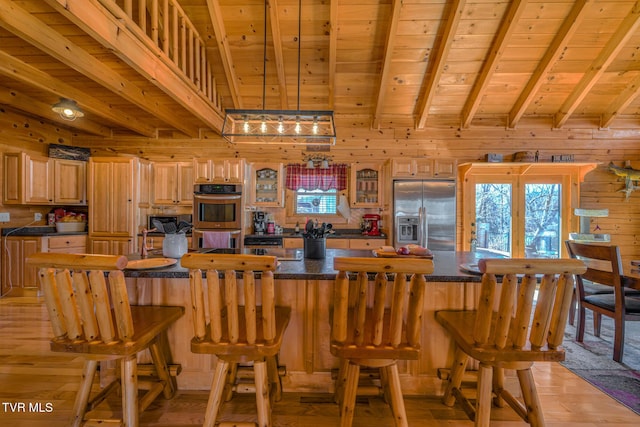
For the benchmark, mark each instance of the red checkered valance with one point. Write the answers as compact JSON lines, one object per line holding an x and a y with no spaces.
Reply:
{"x":299,"y":177}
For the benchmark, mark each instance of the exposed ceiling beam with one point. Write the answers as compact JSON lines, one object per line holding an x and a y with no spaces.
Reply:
{"x":215,"y":14}
{"x":154,"y":65}
{"x":622,"y":101}
{"x":555,"y":49}
{"x":18,"y":70}
{"x":508,"y":25}
{"x":277,"y":50}
{"x":617,"y":42}
{"x":333,"y":51}
{"x":441,"y":53}
{"x":387,"y":60}
{"x":37,"y":108}
{"x":26,"y":26}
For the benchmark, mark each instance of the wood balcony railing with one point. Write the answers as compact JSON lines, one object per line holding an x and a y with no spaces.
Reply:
{"x":163,"y":26}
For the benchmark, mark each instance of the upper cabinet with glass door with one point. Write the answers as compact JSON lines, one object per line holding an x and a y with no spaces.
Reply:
{"x":366,"y":185}
{"x":267,"y":185}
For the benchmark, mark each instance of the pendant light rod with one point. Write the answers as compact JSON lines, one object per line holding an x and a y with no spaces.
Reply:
{"x":299,"y":47}
{"x":260,"y":126}
{"x":264,"y":58}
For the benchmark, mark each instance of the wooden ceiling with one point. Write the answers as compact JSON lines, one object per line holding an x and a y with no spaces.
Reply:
{"x":385,"y":64}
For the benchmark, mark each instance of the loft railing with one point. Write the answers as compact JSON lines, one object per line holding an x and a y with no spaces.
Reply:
{"x":165,"y":26}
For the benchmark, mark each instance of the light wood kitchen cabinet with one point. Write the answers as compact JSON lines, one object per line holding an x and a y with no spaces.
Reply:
{"x":65,"y":244}
{"x":366,"y":243}
{"x":69,"y":182}
{"x":366,"y":185}
{"x":423,"y":168}
{"x":337,"y":243}
{"x":111,"y":246}
{"x":293,"y":243}
{"x":220,"y":171}
{"x":39,"y":180}
{"x":144,"y":184}
{"x":172,"y":183}
{"x":267,"y":185}
{"x":15,"y":273}
{"x":113,"y":205}
{"x":16,"y":249}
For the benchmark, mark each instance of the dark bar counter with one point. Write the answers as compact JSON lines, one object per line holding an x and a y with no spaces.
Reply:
{"x":293,"y":266}
{"x":306,"y":285}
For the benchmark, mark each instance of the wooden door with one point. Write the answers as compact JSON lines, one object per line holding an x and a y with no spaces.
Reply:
{"x":235,"y":171}
{"x":11,"y":263}
{"x":202,"y":170}
{"x":365,"y":185}
{"x":38,"y":180}
{"x":402,"y":168}
{"x":100,"y":197}
{"x":144,"y":184}
{"x":111,"y":207}
{"x":13,"y":178}
{"x":107,"y":246}
{"x":70,"y":184}
{"x":423,"y":168}
{"x":122,"y":208}
{"x":165,"y":183}
{"x":185,"y":184}
{"x":30,"y":246}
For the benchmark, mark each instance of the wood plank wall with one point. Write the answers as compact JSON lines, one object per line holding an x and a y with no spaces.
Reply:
{"x":358,"y":143}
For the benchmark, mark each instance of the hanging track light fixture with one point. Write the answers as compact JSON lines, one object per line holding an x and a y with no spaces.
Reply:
{"x":315,"y":127}
{"x":68,"y":109}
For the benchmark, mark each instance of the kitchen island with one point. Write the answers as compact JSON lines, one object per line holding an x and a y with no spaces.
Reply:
{"x":306,"y":286}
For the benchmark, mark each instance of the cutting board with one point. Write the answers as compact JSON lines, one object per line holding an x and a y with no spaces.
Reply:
{"x":382,"y":253}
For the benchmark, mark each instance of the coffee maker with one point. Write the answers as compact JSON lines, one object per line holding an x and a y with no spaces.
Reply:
{"x":259,"y":222}
{"x":371,"y":225}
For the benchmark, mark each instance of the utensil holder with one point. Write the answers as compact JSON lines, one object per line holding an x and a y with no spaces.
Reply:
{"x":315,"y":248}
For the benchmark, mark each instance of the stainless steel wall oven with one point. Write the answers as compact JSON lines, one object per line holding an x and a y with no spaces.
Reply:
{"x":217,"y":208}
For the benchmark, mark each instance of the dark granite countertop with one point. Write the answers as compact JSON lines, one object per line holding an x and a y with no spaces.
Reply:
{"x":339,"y":234}
{"x":37,"y":231}
{"x":293,"y":266}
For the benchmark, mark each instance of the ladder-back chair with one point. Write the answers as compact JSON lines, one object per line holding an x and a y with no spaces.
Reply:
{"x":510,"y":329}
{"x":91,"y":316}
{"x":240,"y":327}
{"x":375,"y":323}
{"x":604,"y":267}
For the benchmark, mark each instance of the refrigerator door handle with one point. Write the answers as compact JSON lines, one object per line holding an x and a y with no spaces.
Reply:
{"x":425,"y":226}
{"x":422,"y":227}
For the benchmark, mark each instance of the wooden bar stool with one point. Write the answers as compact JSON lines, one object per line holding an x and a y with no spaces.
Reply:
{"x":238,"y":329}
{"x":511,"y":329}
{"x":375,"y":324}
{"x":98,"y":323}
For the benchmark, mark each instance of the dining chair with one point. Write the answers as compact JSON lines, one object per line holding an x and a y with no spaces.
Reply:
{"x":88,"y":305}
{"x":375,"y":323}
{"x":518,"y":321}
{"x":604,"y":266}
{"x":237,"y":321}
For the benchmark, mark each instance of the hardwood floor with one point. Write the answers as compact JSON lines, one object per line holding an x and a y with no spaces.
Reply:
{"x":38,"y":388}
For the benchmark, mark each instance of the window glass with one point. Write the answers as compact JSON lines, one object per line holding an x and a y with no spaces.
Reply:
{"x":542,"y":220}
{"x":316,"y":202}
{"x":493,"y":218}
{"x":499,"y":226}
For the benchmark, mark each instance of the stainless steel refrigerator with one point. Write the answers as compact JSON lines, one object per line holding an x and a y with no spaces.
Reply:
{"x":424,"y":213}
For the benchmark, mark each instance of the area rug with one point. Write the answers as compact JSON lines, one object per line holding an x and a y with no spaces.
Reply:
{"x":593,"y":361}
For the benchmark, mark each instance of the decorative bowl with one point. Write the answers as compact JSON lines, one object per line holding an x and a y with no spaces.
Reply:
{"x":66,"y":227}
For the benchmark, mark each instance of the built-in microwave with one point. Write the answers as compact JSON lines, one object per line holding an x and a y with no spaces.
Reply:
{"x":217,"y":207}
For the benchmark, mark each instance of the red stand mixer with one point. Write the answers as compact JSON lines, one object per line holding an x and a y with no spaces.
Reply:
{"x":371,"y":225}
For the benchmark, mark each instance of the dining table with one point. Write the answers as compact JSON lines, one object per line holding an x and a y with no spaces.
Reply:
{"x":631,"y":276}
